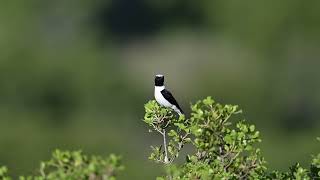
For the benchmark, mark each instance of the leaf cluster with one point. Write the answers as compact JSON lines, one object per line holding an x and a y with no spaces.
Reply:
{"x":3,"y":173}
{"x":72,"y":166}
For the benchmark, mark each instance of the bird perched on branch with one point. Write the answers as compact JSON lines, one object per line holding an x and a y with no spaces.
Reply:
{"x":163,"y":96}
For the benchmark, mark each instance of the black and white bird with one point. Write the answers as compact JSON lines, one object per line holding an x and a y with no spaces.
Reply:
{"x":163,"y":96}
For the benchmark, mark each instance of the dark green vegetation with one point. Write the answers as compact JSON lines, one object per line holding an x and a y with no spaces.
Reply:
{"x":224,"y":145}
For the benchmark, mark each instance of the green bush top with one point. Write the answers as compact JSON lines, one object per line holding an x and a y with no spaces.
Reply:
{"x":225,"y":145}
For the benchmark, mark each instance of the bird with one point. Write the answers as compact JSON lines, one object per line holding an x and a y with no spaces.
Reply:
{"x":163,"y":96}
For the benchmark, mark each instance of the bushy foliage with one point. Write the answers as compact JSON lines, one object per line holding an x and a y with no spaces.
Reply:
{"x":225,"y":145}
{"x":73,"y":166}
{"x":3,"y":173}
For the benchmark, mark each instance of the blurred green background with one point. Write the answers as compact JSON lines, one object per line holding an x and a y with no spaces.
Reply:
{"x":76,"y":74}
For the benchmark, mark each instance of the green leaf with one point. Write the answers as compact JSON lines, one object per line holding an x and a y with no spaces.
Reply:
{"x":228,"y":139}
{"x":252,"y":127}
{"x":208,"y":101}
{"x":172,"y":133}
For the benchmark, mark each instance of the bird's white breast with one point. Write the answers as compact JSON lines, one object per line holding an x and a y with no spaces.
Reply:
{"x":159,"y":97}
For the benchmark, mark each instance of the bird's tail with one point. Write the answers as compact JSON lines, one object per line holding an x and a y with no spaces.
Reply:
{"x":177,"y":110}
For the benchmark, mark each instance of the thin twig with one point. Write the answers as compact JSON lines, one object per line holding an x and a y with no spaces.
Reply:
{"x":168,"y":122}
{"x":231,"y":160}
{"x":157,"y":129}
{"x":253,"y":165}
{"x":180,"y":145}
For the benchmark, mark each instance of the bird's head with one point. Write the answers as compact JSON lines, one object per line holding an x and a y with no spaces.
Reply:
{"x":159,"y":80}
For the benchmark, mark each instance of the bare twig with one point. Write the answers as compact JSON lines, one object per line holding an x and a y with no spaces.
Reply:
{"x":168,"y":122}
{"x":231,"y":160}
{"x":157,"y":129}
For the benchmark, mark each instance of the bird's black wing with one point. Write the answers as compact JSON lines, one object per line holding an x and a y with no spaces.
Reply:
{"x":168,"y":96}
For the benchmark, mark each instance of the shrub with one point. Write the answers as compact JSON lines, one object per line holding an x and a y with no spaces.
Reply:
{"x":73,"y":166}
{"x":225,"y":145}
{"x":3,"y":173}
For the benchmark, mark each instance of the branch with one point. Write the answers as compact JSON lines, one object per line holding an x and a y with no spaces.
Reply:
{"x":157,"y":129}
{"x":180,"y":145}
{"x":231,"y":160}
{"x":166,"y":160}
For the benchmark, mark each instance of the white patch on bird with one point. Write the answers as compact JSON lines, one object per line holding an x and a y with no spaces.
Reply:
{"x":159,"y":75}
{"x":159,"y":97}
{"x":162,"y":101}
